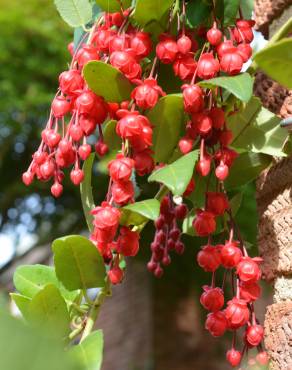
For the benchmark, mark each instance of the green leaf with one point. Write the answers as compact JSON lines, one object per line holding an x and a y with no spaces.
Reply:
{"x":48,"y":310}
{"x":146,"y":11}
{"x":276,"y":60}
{"x":25,"y":348}
{"x":113,"y":141}
{"x":31,"y":279}
{"x":198,"y":12}
{"x":226,"y":11}
{"x":22,"y":304}
{"x":107,"y":81}
{"x":240,"y":86}
{"x":246,"y":168}
{"x":139,"y":212}
{"x":78,"y":263}
{"x":167,"y":117}
{"x":258,"y":130}
{"x":89,"y":352}
{"x":86,"y":191}
{"x":187,"y":226}
{"x":112,"y":6}
{"x":235,"y":203}
{"x":247,"y":7}
{"x":177,"y":175}
{"x":75,"y":12}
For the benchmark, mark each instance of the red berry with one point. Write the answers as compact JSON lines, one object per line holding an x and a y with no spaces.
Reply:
{"x":27,"y":178}
{"x":184,"y":66}
{"x":216,"y":323}
{"x":231,"y":63}
{"x":217,"y":203}
{"x":226,"y":137}
{"x":245,"y":51}
{"x":141,"y":44}
{"x":120,"y":169}
{"x":193,"y":98}
{"x":243,"y":34}
{"x":249,"y":270}
{"x":208,"y":66}
{"x":123,"y":192}
{"x":209,"y":258}
{"x":237,"y":313}
{"x":86,"y":54}
{"x":224,"y":47}
{"x":144,"y":162}
{"x":77,"y":176}
{"x":119,"y":43}
{"x":158,"y":271}
{"x":166,"y":49}
{"x":71,"y":82}
{"x":47,"y":169}
{"x":85,"y":102}
{"x":202,"y":123}
{"x":57,"y":189}
{"x":116,"y":275}
{"x":181,"y":211}
{"x":262,"y":358}
{"x":214,"y":36}
{"x":254,"y":335}
{"x":222,"y":171}
{"x":184,"y":44}
{"x":76,"y":132}
{"x":101,"y":148}
{"x":203,"y":167}
{"x":106,"y":222}
{"x":249,"y":292}
{"x":84,"y":151}
{"x":128,"y":242}
{"x":212,"y":299}
{"x":60,"y":106}
{"x":147,"y":94}
{"x":185,"y":145}
{"x":230,"y":255}
{"x":204,"y":223}
{"x":190,"y":188}
{"x":233,"y":357}
{"x":217,"y":116}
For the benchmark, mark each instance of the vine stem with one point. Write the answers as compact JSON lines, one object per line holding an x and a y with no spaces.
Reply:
{"x":94,"y":311}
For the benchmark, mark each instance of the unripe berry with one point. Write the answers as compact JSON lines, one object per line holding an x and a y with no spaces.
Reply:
{"x":254,"y":335}
{"x":158,"y":272}
{"x":101,"y":148}
{"x":175,"y":234}
{"x":84,"y":151}
{"x":222,"y":171}
{"x":27,"y":178}
{"x":233,"y":357}
{"x":60,"y":106}
{"x":179,"y":247}
{"x":151,"y":266}
{"x":185,"y":145}
{"x":181,"y":211}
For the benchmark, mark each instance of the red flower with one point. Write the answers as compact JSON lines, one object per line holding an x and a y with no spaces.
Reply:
{"x":217,"y":116}
{"x":217,"y":203}
{"x":231,"y":63}
{"x":214,"y":35}
{"x":147,"y":94}
{"x":209,"y":258}
{"x":128,"y":242}
{"x":184,"y":44}
{"x":123,"y":192}
{"x":106,"y":222}
{"x":202,"y":123}
{"x":237,"y":313}
{"x":216,"y":323}
{"x":60,"y":106}
{"x":166,"y":49}
{"x":144,"y":162}
{"x":254,"y":335}
{"x":116,"y":275}
{"x":185,"y":66}
{"x":249,"y":270}
{"x":249,"y":292}
{"x":120,"y":169}
{"x":86,"y":54}
{"x":204,"y":223}
{"x":141,"y":44}
{"x":212,"y":299}
{"x":230,"y":255}
{"x":126,"y":63}
{"x":193,"y":98}
{"x":71,"y":82}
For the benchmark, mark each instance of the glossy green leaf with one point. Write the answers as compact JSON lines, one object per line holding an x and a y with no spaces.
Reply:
{"x":48,"y":310}
{"x":198,"y":12}
{"x":235,"y":203}
{"x":176,"y":176}
{"x":246,"y":168}
{"x":22,"y":304}
{"x":113,"y":141}
{"x":89,"y":352}
{"x":226,"y":11}
{"x":78,"y":263}
{"x":247,"y":7}
{"x":112,"y":6}
{"x":139,"y":212}
{"x":107,"y":81}
{"x":240,"y":86}
{"x":258,"y":130}
{"x":167,"y":117}
{"x":31,"y":279}
{"x":86,"y":191}
{"x":146,"y":11}
{"x":25,"y":348}
{"x":276,"y":60}
{"x":75,"y":12}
